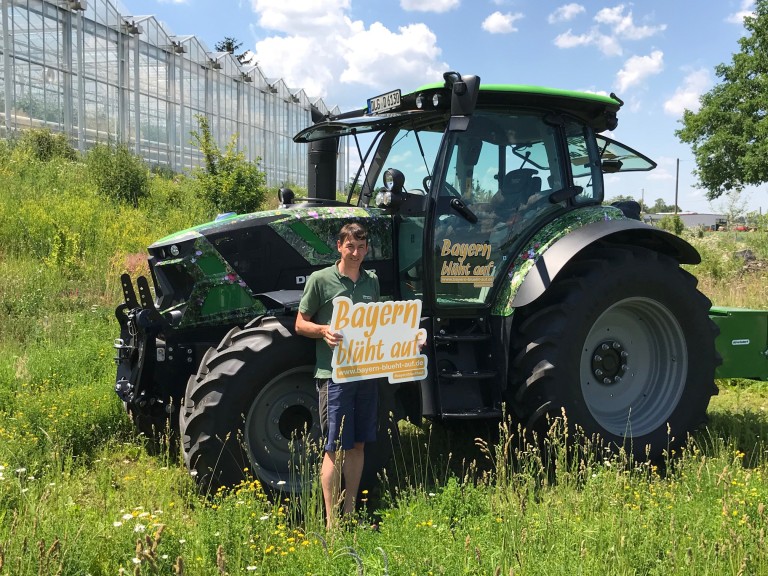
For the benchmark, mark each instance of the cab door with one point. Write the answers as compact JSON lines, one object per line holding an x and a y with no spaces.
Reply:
{"x":495,"y":187}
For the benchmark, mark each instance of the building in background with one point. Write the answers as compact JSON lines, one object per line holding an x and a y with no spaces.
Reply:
{"x":84,"y":68}
{"x":693,"y":219}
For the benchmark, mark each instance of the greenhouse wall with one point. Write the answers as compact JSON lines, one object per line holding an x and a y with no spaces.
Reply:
{"x":88,"y":69}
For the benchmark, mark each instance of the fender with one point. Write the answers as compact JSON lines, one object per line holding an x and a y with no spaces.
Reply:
{"x":630,"y":232}
{"x":550,"y":250}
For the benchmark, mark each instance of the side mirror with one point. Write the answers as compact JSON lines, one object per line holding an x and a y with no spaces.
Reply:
{"x":611,"y":165}
{"x":285,"y":196}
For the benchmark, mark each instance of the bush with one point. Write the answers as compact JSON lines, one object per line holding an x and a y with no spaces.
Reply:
{"x":118,"y":173}
{"x":44,"y":145}
{"x":228,"y":182}
{"x":672,"y":224}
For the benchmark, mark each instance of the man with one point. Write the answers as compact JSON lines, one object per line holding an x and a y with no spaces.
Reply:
{"x":348,"y":411}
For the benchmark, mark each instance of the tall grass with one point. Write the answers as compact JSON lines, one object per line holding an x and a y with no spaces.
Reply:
{"x":80,"y":495}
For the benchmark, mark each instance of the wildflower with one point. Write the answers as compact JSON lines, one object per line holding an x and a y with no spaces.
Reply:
{"x":135,"y":560}
{"x":251,"y":568}
{"x":182,"y":541}
{"x":281,"y":483}
{"x":265,"y":517}
{"x":117,"y":524}
{"x":127,"y":516}
{"x":139,"y":528}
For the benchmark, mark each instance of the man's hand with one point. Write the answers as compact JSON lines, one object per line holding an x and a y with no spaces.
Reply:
{"x":331,"y":338}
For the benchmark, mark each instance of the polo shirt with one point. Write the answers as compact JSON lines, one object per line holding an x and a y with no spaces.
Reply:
{"x":317,"y":301}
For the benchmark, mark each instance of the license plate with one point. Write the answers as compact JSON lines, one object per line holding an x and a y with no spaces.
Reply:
{"x":384,"y":102}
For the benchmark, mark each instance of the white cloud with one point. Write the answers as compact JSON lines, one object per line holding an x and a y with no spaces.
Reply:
{"x":429,"y":5}
{"x":686,"y":97}
{"x":409,"y":55}
{"x":316,"y":46}
{"x":565,"y":13}
{"x":638,"y":68}
{"x":173,"y":1}
{"x":498,"y":23}
{"x":608,"y":45}
{"x":301,"y":17}
{"x":613,"y":26}
{"x":747,"y":9}
{"x":623,"y":26}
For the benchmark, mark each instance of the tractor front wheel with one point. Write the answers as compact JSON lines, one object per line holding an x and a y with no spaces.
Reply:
{"x":253,"y":407}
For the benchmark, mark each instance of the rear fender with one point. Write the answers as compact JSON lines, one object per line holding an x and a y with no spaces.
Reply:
{"x":532,"y":272}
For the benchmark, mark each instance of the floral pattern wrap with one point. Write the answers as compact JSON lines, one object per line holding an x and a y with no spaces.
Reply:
{"x":539,"y":244}
{"x":219,"y":294}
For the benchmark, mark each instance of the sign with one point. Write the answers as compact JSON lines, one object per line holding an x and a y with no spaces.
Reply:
{"x":380,"y":339}
{"x":456,"y":269}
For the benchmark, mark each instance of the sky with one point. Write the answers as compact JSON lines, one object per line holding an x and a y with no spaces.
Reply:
{"x":658,"y":56}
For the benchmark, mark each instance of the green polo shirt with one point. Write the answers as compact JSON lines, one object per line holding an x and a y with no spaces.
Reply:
{"x":317,"y":301}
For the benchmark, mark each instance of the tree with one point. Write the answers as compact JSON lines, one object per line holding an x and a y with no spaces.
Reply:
{"x":231,"y":45}
{"x":728,"y":135}
{"x":660,"y":206}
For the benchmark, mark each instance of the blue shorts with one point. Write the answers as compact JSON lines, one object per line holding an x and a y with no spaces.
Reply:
{"x":348,"y":412}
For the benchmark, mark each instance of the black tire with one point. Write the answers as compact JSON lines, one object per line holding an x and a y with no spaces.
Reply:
{"x":622,"y":343}
{"x":251,"y":394}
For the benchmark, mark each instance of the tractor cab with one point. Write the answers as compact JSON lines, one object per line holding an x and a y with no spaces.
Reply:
{"x":471,"y":172}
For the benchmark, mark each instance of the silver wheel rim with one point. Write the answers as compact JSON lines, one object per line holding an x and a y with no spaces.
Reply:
{"x":282,"y":428}
{"x":633,"y":368}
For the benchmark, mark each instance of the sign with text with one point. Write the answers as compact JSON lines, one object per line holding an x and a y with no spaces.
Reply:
{"x":380,"y":339}
{"x":457,"y":269}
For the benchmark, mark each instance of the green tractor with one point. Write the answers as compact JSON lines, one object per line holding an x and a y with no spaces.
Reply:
{"x":485,"y":202}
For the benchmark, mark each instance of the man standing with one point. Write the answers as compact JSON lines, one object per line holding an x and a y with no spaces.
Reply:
{"x":348,"y":411}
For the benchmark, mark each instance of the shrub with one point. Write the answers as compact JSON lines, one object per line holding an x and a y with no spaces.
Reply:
{"x":228,"y":182}
{"x":44,"y":145}
{"x":672,"y":224}
{"x":118,"y":173}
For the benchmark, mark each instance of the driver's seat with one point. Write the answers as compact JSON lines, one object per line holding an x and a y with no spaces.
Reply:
{"x":516,"y":188}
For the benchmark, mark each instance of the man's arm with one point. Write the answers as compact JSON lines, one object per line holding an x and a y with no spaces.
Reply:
{"x":305,"y":327}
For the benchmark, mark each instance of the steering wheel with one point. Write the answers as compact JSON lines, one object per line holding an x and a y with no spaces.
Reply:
{"x":451,"y":190}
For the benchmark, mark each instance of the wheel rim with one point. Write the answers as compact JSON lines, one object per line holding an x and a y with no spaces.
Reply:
{"x":282,"y":428}
{"x":634,"y":365}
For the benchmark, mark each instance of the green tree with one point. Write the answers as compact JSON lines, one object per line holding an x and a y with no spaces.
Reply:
{"x":231,"y":45}
{"x":229,"y":183}
{"x":728,"y":133}
{"x":660,"y":206}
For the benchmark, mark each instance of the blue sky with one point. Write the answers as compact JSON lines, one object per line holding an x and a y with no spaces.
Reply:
{"x":656,"y":55}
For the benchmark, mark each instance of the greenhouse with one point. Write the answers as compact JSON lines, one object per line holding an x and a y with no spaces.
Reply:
{"x":86,"y":68}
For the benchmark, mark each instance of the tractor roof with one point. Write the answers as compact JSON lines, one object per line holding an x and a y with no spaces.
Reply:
{"x":597,"y":110}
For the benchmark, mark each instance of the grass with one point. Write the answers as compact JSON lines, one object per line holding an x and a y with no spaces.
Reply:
{"x":79,"y":494}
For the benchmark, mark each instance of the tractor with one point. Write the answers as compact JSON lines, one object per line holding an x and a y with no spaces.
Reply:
{"x":485,"y":202}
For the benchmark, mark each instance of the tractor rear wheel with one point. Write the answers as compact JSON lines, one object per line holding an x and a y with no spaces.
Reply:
{"x":623,"y":344}
{"x":252,"y":406}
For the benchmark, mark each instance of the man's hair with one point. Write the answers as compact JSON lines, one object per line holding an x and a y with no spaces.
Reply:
{"x":353,"y":230}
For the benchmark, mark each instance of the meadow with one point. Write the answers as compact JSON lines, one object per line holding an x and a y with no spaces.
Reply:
{"x":81,"y":495}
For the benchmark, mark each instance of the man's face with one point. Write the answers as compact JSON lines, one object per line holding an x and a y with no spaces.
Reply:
{"x":352,"y":251}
